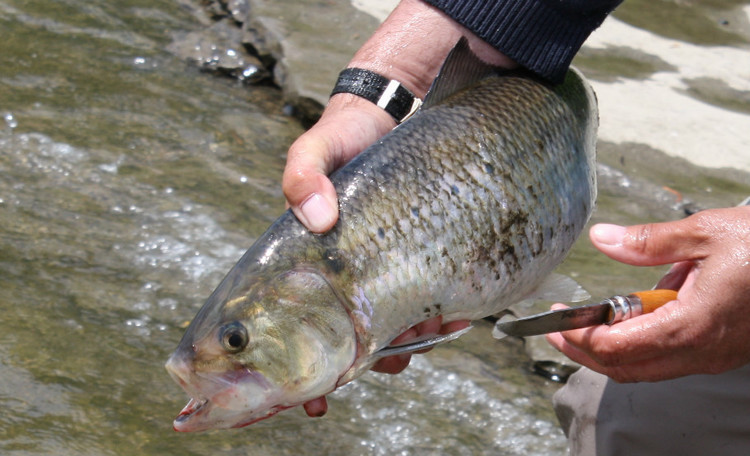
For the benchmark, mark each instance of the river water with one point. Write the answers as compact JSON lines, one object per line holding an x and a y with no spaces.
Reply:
{"x":130,"y":182}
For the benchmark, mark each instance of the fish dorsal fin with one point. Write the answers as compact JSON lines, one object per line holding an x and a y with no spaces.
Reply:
{"x":420,"y":344}
{"x":461,"y":69}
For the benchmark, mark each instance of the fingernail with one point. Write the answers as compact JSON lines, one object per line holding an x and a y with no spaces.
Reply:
{"x":607,"y":234}
{"x":318,"y":214}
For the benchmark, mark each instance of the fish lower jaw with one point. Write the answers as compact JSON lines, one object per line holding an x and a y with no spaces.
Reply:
{"x":183,"y":421}
{"x":205,"y":414}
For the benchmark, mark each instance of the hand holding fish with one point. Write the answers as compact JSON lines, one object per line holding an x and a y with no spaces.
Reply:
{"x":349,"y":123}
{"x":705,"y":330}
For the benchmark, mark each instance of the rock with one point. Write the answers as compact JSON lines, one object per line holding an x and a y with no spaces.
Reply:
{"x":547,"y":361}
{"x":215,"y":8}
{"x":218,"y":49}
{"x":238,"y":9}
{"x":310,"y":43}
{"x":301,"y":45}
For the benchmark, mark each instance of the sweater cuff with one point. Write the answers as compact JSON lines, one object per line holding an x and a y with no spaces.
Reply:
{"x":540,"y":35}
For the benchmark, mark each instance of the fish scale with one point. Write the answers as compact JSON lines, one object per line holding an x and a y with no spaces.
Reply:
{"x":461,"y":211}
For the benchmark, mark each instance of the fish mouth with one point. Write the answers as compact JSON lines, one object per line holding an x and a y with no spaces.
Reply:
{"x":196,"y":414}
{"x":219,"y":401}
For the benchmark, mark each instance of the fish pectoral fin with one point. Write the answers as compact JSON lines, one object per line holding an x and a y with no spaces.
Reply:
{"x":556,"y":287}
{"x":420,"y":344}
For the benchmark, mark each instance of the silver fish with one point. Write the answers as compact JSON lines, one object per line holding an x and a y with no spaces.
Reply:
{"x":460,"y":211}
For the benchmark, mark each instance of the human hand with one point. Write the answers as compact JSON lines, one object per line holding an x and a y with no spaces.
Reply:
{"x":706,"y":330}
{"x":410,"y":47}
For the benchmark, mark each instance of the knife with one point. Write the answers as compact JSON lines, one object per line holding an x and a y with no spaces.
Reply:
{"x":608,"y":312}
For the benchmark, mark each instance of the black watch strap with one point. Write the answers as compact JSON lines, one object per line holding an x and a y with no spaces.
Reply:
{"x":388,"y":94}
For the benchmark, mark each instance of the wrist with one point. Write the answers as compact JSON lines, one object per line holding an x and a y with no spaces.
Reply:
{"x":365,"y":122}
{"x":347,"y":102}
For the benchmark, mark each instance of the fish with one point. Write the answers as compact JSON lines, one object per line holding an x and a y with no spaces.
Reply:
{"x":460,"y":211}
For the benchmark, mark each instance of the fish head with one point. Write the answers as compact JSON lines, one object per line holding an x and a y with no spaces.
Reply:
{"x":261,"y":346}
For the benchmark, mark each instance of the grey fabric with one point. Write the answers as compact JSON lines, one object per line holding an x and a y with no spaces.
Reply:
{"x":695,"y":415}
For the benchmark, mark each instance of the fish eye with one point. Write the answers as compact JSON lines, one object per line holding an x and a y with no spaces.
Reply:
{"x":233,"y":337}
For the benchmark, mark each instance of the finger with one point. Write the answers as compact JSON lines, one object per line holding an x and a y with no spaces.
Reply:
{"x":316,"y":407}
{"x":425,"y":328}
{"x":634,"y":372}
{"x":658,"y":368}
{"x":308,"y":190}
{"x":453,"y":326}
{"x":429,"y":327}
{"x":651,"y":244}
{"x":396,"y":364}
{"x":558,"y":341}
{"x":392,"y":364}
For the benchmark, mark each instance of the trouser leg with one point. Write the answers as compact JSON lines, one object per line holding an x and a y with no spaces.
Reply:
{"x":695,"y":415}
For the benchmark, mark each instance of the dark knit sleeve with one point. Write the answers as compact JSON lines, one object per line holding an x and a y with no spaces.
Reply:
{"x":541,"y":35}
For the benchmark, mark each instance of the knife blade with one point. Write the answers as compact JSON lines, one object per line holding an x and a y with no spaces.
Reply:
{"x":607,"y":312}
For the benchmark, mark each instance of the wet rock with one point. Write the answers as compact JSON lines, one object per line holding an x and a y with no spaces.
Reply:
{"x":302,"y":46}
{"x":553,"y":371}
{"x":238,"y":9}
{"x":216,"y":9}
{"x":218,"y":49}
{"x":547,"y":361}
{"x":309,"y":42}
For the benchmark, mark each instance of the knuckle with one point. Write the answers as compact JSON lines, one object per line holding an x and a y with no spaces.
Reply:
{"x":704,"y":223}
{"x":640,"y":238}
{"x":713,"y":224}
{"x":291,"y":185}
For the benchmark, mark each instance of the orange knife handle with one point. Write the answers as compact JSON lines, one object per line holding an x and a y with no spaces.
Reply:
{"x":638,"y":303}
{"x":653,"y":299}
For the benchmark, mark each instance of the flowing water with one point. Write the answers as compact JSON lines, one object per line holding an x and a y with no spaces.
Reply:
{"x":130,"y":182}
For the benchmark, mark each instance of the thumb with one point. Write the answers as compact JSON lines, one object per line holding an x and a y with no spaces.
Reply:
{"x":308,"y":190}
{"x":348,"y":125}
{"x":651,"y":244}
